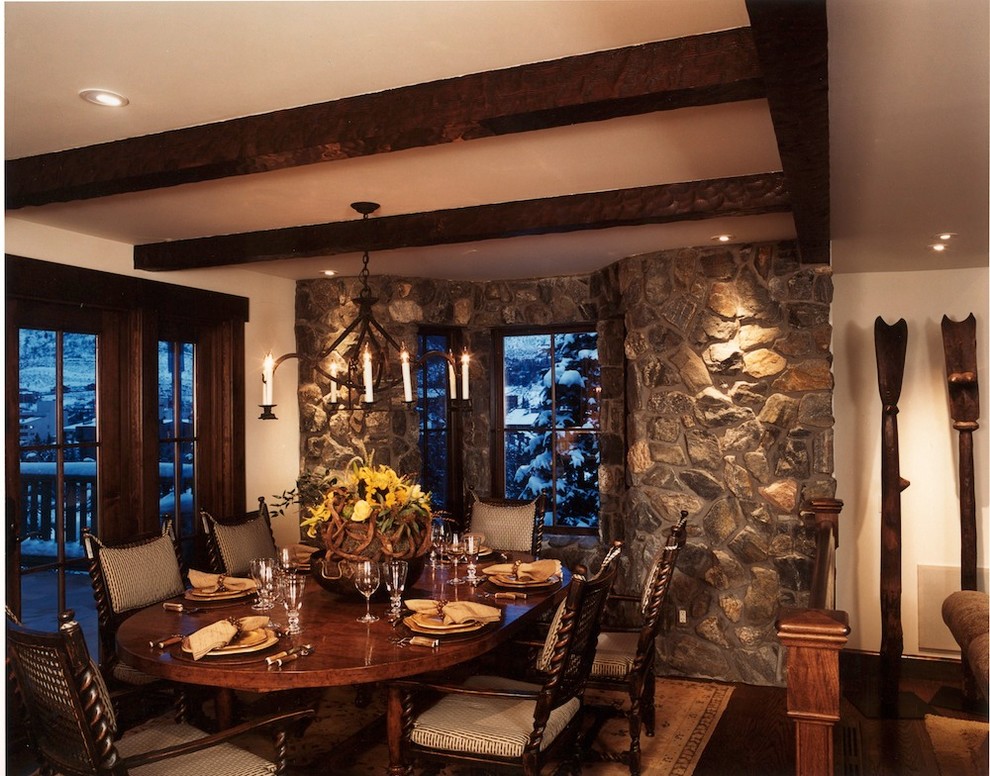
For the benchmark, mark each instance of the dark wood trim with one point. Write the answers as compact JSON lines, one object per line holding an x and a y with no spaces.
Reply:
{"x":665,"y":75}
{"x":792,"y":44}
{"x":93,"y":289}
{"x":666,"y":203}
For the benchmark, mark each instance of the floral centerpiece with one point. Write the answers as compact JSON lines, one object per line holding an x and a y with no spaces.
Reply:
{"x":368,"y":512}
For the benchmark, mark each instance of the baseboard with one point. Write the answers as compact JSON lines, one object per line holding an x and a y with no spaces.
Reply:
{"x":936,"y":669}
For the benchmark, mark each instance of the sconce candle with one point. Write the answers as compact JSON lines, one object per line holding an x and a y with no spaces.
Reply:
{"x":453,"y":377}
{"x":406,"y":377}
{"x":465,"y":360}
{"x":267,"y":376}
{"x":368,"y":395}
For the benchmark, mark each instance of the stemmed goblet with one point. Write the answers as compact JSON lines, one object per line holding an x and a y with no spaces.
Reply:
{"x":263,"y":572}
{"x":292,"y":586}
{"x":471,"y":544}
{"x":395,"y":572}
{"x":455,"y":550}
{"x":439,"y":537}
{"x":366,"y":580}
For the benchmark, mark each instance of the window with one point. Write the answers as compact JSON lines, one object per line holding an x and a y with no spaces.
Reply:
{"x":177,"y":439}
{"x":440,"y":475}
{"x":58,"y":454}
{"x":549,"y":440}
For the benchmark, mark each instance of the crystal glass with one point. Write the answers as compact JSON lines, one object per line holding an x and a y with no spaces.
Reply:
{"x":455,"y":550}
{"x":439,"y":537}
{"x":366,"y":580}
{"x":263,"y":571}
{"x":395,"y":572}
{"x":291,"y":588}
{"x":471,"y":544}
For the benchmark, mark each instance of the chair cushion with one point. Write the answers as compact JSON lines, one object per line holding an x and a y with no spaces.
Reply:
{"x":163,"y":732}
{"x":238,"y":544}
{"x":124,"y":673}
{"x":614,"y":655}
{"x":142,"y":575}
{"x":967,"y":614}
{"x":488,"y":726}
{"x":504,"y":527}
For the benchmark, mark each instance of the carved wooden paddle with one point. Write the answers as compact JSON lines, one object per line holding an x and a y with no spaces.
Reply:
{"x":891,"y":347}
{"x":959,"y":343}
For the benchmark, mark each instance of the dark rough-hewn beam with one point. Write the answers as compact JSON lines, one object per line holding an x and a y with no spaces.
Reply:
{"x":792,"y":43}
{"x":744,"y":195}
{"x":697,"y":70}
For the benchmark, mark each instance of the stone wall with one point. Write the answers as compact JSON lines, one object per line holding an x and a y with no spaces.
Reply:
{"x":716,"y":386}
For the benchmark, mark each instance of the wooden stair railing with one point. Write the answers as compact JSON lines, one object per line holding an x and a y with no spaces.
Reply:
{"x":814,"y":636}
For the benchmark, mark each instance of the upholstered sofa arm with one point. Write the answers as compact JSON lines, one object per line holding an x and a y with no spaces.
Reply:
{"x":967,"y":614}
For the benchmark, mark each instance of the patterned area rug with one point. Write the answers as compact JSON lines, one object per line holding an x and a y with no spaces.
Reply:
{"x":960,"y":745}
{"x":349,"y":739}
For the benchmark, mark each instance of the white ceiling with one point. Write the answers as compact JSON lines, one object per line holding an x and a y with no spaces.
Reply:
{"x":189,"y":63}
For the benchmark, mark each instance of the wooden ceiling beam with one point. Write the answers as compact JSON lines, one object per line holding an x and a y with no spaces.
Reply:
{"x":792,"y":44}
{"x":666,"y":203}
{"x":683,"y":72}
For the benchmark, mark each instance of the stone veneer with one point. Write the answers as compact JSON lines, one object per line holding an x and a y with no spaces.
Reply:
{"x":716,"y":399}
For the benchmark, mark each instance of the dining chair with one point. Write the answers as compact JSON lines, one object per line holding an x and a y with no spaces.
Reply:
{"x":625,"y":658}
{"x":74,"y":729}
{"x":127,"y":576}
{"x":233,"y":541}
{"x":514,"y":525}
{"x":506,"y":723}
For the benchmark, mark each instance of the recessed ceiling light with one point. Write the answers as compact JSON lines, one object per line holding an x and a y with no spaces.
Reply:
{"x":945,"y":236}
{"x":938,"y":247}
{"x":329,"y":272}
{"x":103,"y":97}
{"x":722,"y":237}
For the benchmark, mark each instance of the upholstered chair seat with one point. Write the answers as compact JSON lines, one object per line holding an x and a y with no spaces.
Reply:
{"x":127,"y":576}
{"x":503,"y":722}
{"x":511,"y":525}
{"x":233,"y":542}
{"x":73,"y":727}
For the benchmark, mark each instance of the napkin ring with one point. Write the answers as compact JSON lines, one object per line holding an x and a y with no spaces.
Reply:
{"x":221,"y":587}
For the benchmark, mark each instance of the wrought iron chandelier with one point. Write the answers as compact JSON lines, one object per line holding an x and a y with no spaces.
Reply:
{"x":359,"y":362}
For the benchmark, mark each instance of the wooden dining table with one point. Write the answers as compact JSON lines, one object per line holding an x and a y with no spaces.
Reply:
{"x":345,"y":651}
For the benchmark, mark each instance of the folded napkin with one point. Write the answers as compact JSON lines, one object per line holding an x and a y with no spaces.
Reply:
{"x":301,"y":553}
{"x":537,"y":571}
{"x":221,"y":633}
{"x":209,"y":583}
{"x":457,"y":612}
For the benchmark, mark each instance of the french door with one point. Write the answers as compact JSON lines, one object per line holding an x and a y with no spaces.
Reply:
{"x":58,"y":457}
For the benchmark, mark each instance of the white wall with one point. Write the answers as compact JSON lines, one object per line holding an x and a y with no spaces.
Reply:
{"x":928,"y":443}
{"x":272,"y":447}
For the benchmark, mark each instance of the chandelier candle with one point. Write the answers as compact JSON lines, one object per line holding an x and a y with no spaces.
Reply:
{"x":368,"y":395}
{"x":465,"y":360}
{"x":406,"y":377}
{"x":267,"y":374}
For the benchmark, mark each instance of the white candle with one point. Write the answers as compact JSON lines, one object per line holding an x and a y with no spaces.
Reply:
{"x":452,"y":376}
{"x":368,"y":395}
{"x":465,"y":360}
{"x":333,"y":383}
{"x":267,"y":377}
{"x":406,"y":377}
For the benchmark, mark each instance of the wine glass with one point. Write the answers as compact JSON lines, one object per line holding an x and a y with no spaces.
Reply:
{"x":263,"y":571}
{"x":455,"y":550}
{"x":395,"y":582}
{"x":439,"y":537}
{"x":366,"y":579}
{"x":292,"y":586}
{"x":471,"y":544}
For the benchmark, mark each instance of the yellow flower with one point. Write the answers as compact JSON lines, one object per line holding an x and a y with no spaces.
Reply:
{"x":362,"y":511}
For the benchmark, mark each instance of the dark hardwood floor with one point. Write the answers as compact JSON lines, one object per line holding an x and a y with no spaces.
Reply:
{"x":755,"y":737}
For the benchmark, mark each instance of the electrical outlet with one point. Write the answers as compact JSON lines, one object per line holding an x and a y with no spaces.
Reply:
{"x":681,"y":615}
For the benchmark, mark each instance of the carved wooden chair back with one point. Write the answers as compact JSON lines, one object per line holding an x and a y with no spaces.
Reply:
{"x":514,"y":525}
{"x":127,"y":576}
{"x":233,"y":541}
{"x":74,"y":729}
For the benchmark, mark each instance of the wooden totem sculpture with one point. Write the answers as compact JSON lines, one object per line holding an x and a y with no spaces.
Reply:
{"x":959,"y":343}
{"x":891,"y":347}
